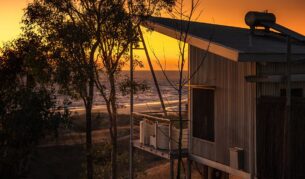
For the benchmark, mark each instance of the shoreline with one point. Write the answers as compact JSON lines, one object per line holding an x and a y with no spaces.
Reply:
{"x":125,"y":109}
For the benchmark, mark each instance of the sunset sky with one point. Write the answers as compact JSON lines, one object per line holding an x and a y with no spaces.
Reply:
{"x":290,"y":13}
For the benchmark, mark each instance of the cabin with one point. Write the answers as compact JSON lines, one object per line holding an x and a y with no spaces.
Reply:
{"x":242,"y":122}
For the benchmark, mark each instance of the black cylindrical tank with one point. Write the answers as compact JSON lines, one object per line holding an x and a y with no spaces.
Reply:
{"x":253,"y":18}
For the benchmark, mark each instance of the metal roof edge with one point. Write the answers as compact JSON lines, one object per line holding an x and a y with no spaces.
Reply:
{"x":204,"y":44}
{"x":222,"y":50}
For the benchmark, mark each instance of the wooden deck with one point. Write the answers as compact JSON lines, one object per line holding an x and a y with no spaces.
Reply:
{"x":166,"y":154}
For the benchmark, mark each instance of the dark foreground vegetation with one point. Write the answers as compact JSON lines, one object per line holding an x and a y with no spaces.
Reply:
{"x":65,"y":47}
{"x":68,"y":161}
{"x":63,"y":162}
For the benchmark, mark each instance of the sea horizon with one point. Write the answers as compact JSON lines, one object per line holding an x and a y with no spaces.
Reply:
{"x":147,"y":98}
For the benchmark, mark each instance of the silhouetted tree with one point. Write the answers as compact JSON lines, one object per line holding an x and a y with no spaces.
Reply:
{"x":118,"y":32}
{"x":27,"y":105}
{"x":185,"y":13}
{"x":71,"y":28}
{"x":89,"y":37}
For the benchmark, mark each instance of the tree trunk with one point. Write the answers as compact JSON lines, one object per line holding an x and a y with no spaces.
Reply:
{"x":180,"y":135}
{"x":89,"y":129}
{"x":89,"y":142}
{"x":114,"y":127}
{"x":180,"y":119}
{"x":114,"y":159}
{"x":114,"y":147}
{"x":113,"y":135}
{"x":89,"y":104}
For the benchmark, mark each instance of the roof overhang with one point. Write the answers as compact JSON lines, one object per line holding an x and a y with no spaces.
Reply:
{"x":221,"y":50}
{"x":203,"y":44}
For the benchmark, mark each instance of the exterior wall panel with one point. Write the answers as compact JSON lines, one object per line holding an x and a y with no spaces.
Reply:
{"x":234,"y":105}
{"x":273,"y":89}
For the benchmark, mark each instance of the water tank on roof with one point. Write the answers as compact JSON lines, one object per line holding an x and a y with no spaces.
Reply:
{"x":253,"y":18}
{"x":268,"y":20}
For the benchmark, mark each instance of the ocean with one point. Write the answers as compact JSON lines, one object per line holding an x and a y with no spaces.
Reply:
{"x":150,"y":96}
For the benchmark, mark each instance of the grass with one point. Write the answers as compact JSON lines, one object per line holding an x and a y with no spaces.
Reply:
{"x":67,"y":162}
{"x":60,"y":162}
{"x":99,"y":121}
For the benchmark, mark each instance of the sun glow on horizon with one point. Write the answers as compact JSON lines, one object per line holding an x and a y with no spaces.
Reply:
{"x":160,"y":47}
{"x":289,"y":13}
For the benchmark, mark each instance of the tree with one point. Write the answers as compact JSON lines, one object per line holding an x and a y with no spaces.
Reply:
{"x":28,"y":109}
{"x":183,"y":37}
{"x":71,"y":28}
{"x":185,"y":15}
{"x":117,"y":34}
{"x":87,"y":37}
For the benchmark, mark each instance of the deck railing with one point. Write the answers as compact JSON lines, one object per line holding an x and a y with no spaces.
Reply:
{"x":152,"y":131}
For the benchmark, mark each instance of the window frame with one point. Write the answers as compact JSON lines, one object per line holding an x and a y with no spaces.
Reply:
{"x":210,"y":88}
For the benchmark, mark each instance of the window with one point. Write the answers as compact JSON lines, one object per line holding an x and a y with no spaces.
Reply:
{"x":203,"y":114}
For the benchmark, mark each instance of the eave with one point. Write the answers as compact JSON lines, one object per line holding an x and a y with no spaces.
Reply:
{"x":222,"y":50}
{"x":203,"y":44}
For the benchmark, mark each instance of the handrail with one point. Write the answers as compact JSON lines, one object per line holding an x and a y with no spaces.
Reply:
{"x":151,"y":117}
{"x":160,"y":119}
{"x":158,"y":112}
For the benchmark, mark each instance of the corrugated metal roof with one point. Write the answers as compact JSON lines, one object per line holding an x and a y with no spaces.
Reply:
{"x":263,"y":47}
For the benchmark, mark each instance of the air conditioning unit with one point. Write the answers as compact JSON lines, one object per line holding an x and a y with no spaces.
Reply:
{"x":237,"y":158}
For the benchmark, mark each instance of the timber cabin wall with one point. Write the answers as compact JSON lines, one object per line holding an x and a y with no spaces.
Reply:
{"x":274,"y":89}
{"x":234,"y":106}
{"x":271,"y":114}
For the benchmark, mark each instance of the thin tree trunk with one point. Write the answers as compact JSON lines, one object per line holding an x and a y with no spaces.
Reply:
{"x":180,"y":132}
{"x":114,"y":127}
{"x":114,"y":159}
{"x":89,"y":115}
{"x":89,"y":141}
{"x":114,"y":149}
{"x":113,"y":135}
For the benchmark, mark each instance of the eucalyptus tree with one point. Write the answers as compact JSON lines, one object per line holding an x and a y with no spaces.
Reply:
{"x":90,"y":38}
{"x":119,"y":33}
{"x":71,"y":28}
